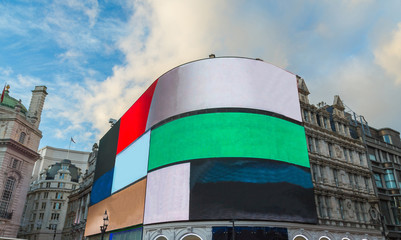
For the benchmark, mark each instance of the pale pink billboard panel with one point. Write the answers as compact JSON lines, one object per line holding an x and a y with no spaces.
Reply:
{"x":225,"y":83}
{"x":167,"y":194}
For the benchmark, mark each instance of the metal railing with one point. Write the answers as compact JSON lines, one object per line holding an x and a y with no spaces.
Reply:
{"x":6,"y":215}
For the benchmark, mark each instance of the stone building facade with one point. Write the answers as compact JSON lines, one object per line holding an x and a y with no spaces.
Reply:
{"x":344,"y":191}
{"x":47,"y":199}
{"x":78,"y":202}
{"x":19,"y":142}
{"x":384,"y":151}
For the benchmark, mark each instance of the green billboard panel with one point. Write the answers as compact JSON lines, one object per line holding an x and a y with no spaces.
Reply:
{"x":228,"y":134}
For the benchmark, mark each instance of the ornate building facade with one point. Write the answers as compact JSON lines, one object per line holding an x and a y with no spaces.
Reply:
{"x":19,"y":142}
{"x":344,"y":192}
{"x":47,"y":201}
{"x":78,"y":202}
{"x":384,"y":151}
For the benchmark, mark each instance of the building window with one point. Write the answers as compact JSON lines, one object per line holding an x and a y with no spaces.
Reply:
{"x":6,"y":195}
{"x":335,"y":176}
{"x":394,"y":209}
{"x":300,"y":237}
{"x":350,"y":156}
{"x":73,"y":187}
{"x":16,"y":164}
{"x":387,"y":139}
{"x":55,"y":216}
{"x":351,"y":180}
{"x":59,"y":195}
{"x":362,"y":211}
{"x":372,"y":154}
{"x":367,"y":184}
{"x":345,"y":154}
{"x":38,"y":225}
{"x":52,"y":226}
{"x":41,"y":216}
{"x":328,"y":208}
{"x":357,"y":211}
{"x":360,"y":158}
{"x":389,"y":179}
{"x":43,"y":205}
{"x":306,"y":116}
{"x":378,"y":180}
{"x":317,"y":145}
{"x":356,"y":182}
{"x":341,"y":208}
{"x":60,"y":185}
{"x":48,"y":185}
{"x":22,"y":137}
{"x":310,"y":144}
{"x":330,"y":147}
{"x":57,"y":206}
{"x":323,"y":204}
{"x":45,"y":195}
{"x":385,"y":158}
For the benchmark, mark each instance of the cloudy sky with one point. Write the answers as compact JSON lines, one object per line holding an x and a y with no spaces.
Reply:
{"x":97,"y":57}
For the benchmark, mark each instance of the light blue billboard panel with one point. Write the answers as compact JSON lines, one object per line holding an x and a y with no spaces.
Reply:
{"x":132,"y":163}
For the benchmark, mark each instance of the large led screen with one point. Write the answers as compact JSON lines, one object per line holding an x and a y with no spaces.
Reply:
{"x":167,"y":194}
{"x":132,"y":163}
{"x":133,"y":122}
{"x":124,"y":209}
{"x":244,"y":188}
{"x":228,"y":134}
{"x":222,"y":83}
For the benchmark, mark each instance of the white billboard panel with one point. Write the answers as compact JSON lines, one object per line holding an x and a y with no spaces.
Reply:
{"x":167,"y":194}
{"x":225,"y":83}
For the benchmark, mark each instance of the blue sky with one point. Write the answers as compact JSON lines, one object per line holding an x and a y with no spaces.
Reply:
{"x":97,"y":57}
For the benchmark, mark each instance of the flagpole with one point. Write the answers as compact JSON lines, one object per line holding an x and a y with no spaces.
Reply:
{"x":68,"y":153}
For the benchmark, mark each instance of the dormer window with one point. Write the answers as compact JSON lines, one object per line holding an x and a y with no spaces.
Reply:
{"x":387,"y":139}
{"x":22,"y":137}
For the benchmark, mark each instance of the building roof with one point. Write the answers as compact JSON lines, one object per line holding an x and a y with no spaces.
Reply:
{"x":11,"y":102}
{"x":53,"y":170}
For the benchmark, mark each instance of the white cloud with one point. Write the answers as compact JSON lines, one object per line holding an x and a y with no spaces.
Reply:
{"x":388,"y":55}
{"x":163,"y":35}
{"x":6,"y":71}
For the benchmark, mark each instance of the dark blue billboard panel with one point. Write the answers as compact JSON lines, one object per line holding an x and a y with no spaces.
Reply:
{"x":249,"y":233}
{"x":246,"y":188}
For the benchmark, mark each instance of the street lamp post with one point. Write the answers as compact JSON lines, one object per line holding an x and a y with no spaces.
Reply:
{"x":55,"y":230}
{"x":105,"y":223}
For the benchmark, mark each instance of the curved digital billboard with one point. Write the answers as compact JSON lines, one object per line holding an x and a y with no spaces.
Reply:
{"x":215,"y":139}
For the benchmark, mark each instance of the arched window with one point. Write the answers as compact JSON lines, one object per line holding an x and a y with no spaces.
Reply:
{"x":161,"y":238}
{"x":324,"y":238}
{"x":300,"y":237}
{"x":22,"y":137}
{"x":191,"y":236}
{"x":6,"y":195}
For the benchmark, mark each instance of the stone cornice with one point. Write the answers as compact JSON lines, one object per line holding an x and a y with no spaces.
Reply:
{"x":21,"y":148}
